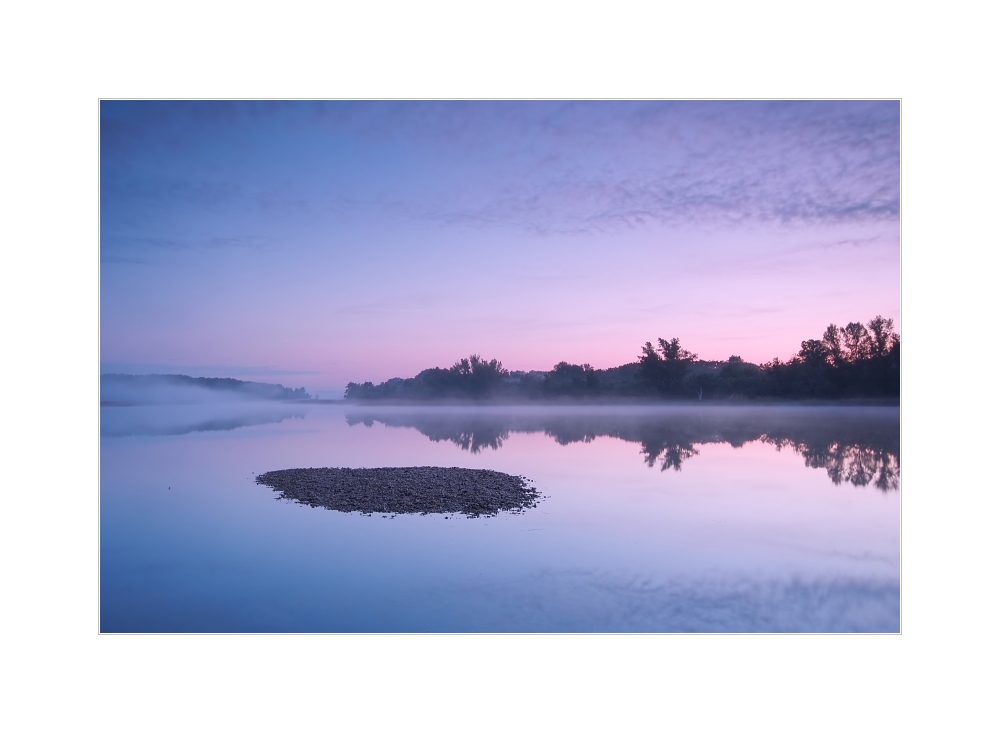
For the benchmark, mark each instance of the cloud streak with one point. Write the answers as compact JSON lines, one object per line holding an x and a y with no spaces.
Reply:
{"x":536,"y":167}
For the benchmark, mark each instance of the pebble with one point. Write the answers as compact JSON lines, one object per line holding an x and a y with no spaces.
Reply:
{"x":413,"y":490}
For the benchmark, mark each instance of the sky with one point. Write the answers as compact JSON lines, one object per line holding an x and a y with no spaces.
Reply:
{"x":317,"y":243}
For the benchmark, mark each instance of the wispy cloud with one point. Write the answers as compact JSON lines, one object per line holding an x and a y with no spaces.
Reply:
{"x":534,"y":167}
{"x":125,"y":249}
{"x":719,"y":162}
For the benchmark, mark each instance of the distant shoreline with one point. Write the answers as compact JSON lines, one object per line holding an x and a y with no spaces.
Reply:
{"x":617,"y":402}
{"x":622,"y":402}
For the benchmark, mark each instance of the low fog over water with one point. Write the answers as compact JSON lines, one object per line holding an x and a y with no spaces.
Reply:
{"x":122,"y":420}
{"x":179,"y":389}
{"x":170,"y":404}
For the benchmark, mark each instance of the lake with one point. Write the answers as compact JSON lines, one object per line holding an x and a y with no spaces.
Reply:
{"x":654,"y":519}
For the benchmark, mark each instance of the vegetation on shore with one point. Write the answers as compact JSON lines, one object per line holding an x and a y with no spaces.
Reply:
{"x":177,"y":387}
{"x":856,"y":361}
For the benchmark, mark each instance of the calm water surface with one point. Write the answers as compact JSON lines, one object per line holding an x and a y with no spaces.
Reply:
{"x":655,"y":519}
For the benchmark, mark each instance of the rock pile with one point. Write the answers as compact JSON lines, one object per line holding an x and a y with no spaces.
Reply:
{"x":414,"y":490}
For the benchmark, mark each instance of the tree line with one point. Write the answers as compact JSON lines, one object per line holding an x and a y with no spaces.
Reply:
{"x":858,"y":360}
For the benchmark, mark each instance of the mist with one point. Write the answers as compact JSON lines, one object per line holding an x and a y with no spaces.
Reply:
{"x":178,"y":389}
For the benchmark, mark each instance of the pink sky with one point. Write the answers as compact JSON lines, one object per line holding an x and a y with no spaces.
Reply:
{"x":316,"y":246}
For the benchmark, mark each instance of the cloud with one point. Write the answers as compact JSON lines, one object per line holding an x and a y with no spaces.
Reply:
{"x":540,"y":167}
{"x":579,"y":167}
{"x":826,"y":164}
{"x":125,"y":249}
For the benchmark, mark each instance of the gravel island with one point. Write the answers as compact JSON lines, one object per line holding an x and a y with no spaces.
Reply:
{"x":413,"y":490}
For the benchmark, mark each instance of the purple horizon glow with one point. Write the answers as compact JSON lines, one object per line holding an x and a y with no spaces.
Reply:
{"x":319,"y":243}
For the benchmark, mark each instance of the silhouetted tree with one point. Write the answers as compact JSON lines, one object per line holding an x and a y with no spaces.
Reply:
{"x":738,"y":377}
{"x":575,"y":380}
{"x":854,"y":361}
{"x":833,"y":345}
{"x":882,"y":336}
{"x":665,"y":370}
{"x":813,"y":353}
{"x":857,"y":341}
{"x":481,"y":375}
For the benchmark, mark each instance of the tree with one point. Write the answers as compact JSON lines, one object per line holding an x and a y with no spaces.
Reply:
{"x":813,"y":352}
{"x":475,"y":376}
{"x":665,"y":370}
{"x":857,"y":341}
{"x":740,"y":377}
{"x":834,"y":347}
{"x":672,"y":351}
{"x":882,"y":336}
{"x":571,"y":379}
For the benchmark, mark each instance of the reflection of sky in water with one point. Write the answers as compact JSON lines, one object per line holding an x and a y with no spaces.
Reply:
{"x":745,"y":538}
{"x":181,"y":419}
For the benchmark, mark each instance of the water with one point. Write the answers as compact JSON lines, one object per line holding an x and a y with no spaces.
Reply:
{"x":655,"y":519}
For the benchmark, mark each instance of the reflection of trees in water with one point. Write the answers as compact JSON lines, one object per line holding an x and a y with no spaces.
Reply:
{"x":180,"y":420}
{"x":475,"y":442}
{"x":470,"y":435}
{"x":859,"y":465}
{"x":673,"y":455}
{"x":859,"y":446}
